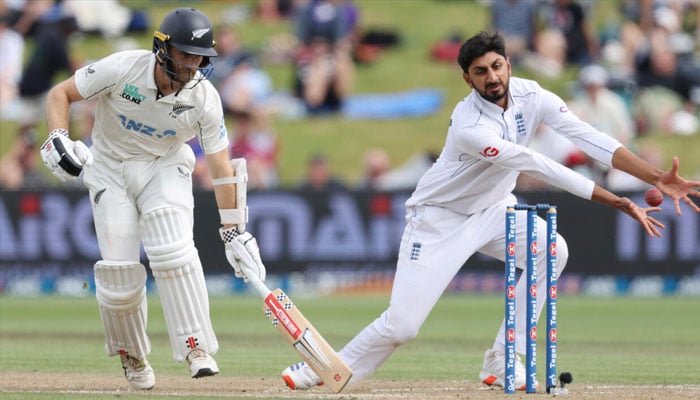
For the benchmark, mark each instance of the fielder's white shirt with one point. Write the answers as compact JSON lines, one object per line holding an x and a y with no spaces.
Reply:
{"x":486,"y":149}
{"x":132,"y":123}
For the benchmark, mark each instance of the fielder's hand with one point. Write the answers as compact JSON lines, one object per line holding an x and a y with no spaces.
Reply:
{"x":650,"y":224}
{"x":677,"y":188}
{"x":243,"y":253}
{"x":64,"y":157}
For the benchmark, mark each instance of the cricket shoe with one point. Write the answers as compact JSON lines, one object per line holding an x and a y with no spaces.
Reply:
{"x":201,"y":363}
{"x":494,"y":370}
{"x":300,"y":377}
{"x":138,"y":373}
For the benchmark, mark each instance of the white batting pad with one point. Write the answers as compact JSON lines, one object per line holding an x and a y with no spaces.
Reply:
{"x":120,"y":288}
{"x":174,"y":261}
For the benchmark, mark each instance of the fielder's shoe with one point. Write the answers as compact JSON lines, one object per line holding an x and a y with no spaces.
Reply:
{"x":494,"y":370}
{"x":300,"y":377}
{"x":202,"y":364}
{"x":138,"y":373}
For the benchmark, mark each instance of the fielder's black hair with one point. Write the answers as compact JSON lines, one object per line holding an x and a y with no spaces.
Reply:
{"x":478,"y":45}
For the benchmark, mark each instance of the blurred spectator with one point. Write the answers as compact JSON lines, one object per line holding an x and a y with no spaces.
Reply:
{"x":607,"y":112}
{"x":275,"y":10}
{"x":376,"y":164}
{"x":319,"y":177}
{"x":323,"y":63}
{"x":247,"y":86}
{"x":12,"y":50}
{"x":561,"y":150}
{"x":18,"y":167}
{"x":254,"y":140}
{"x":568,"y":19}
{"x":231,"y":50}
{"x":667,"y":73}
{"x":659,"y":110}
{"x":542,"y":51}
{"x":516,"y":21}
{"x":446,"y":50}
{"x":26,"y":14}
{"x":49,"y":57}
{"x":406,"y":175}
{"x":601,"y":107}
{"x":106,"y":17}
{"x":237,"y":75}
{"x":618,"y":180}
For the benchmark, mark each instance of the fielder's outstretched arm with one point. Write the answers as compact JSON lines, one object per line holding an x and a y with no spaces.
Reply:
{"x":669,"y":182}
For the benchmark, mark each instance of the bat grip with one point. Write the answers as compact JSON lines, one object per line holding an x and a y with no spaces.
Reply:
{"x":254,"y":280}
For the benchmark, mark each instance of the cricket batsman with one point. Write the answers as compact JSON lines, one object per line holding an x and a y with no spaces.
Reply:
{"x":138,"y":172}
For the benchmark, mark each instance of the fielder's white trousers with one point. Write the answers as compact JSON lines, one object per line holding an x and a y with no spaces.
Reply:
{"x":436,"y":242}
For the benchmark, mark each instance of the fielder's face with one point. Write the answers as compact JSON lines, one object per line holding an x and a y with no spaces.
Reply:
{"x":489,"y":76}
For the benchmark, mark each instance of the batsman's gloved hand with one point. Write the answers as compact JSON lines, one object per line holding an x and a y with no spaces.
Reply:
{"x":65,"y":158}
{"x":243,"y":253}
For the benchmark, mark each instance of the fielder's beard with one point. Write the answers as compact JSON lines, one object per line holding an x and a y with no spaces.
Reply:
{"x":494,"y":97}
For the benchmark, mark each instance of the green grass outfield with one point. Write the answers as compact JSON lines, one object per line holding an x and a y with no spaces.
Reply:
{"x":611,"y":341}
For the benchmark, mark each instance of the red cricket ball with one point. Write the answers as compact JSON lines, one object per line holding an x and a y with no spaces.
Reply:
{"x":654,"y":197}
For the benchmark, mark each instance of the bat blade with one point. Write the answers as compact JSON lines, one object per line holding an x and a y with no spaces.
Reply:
{"x":306,"y":340}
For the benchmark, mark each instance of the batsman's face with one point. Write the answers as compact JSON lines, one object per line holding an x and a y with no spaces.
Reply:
{"x":186,"y":65}
{"x":489,"y":75}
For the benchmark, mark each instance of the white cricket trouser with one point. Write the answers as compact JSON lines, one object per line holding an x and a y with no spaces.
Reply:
{"x":150,"y":201}
{"x":122,"y":191}
{"x":436,"y":242}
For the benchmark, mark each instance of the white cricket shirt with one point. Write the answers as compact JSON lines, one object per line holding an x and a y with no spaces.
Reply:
{"x":131,"y":123}
{"x":486,"y":150}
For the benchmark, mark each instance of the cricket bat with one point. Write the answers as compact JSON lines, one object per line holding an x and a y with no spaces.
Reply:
{"x":304,"y":338}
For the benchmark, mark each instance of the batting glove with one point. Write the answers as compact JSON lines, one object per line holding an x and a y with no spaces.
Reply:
{"x":65,"y":158}
{"x":243,"y":253}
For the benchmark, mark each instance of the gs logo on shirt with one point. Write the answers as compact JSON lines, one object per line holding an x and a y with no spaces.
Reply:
{"x":489,"y":152}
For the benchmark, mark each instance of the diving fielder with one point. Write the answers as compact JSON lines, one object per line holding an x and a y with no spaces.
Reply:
{"x":459,"y":205}
{"x":138,"y":172}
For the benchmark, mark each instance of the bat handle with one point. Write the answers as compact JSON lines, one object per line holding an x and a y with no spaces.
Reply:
{"x":254,"y":280}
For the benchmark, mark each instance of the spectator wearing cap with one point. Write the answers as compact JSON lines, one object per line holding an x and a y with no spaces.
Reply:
{"x":606,"y":111}
{"x":596,"y":104}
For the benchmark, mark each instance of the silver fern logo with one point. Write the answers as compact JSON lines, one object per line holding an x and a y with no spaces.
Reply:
{"x":179,"y":108}
{"x":198,"y":33}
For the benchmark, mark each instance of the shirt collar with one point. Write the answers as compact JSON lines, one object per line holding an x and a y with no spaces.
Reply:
{"x":182,"y":95}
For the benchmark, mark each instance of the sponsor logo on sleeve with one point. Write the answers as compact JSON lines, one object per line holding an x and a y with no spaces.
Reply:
{"x":489,"y":151}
